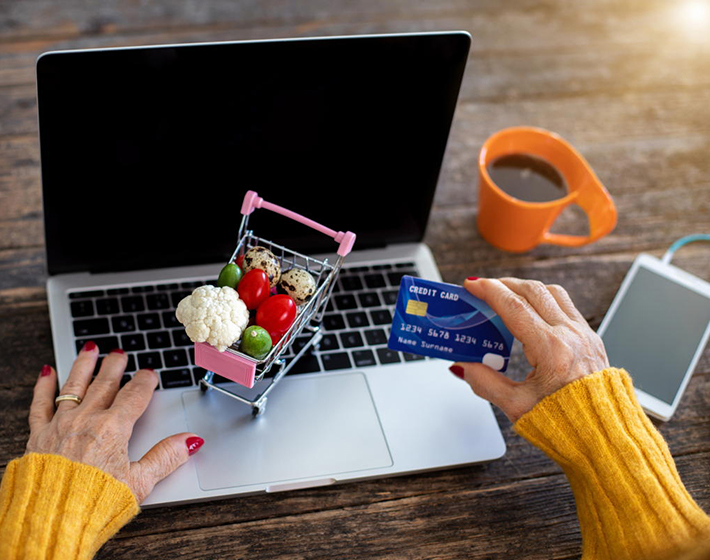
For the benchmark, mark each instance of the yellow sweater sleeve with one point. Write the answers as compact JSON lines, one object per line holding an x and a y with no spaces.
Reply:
{"x":52,"y":508}
{"x":630,"y":500}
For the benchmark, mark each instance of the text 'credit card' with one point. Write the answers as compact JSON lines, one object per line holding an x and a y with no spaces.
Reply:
{"x":445,"y":321}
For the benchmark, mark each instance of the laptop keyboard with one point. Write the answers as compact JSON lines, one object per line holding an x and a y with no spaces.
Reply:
{"x":141,"y":321}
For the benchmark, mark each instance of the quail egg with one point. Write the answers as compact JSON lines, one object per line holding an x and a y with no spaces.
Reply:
{"x":261,"y":257}
{"x":298,"y":284}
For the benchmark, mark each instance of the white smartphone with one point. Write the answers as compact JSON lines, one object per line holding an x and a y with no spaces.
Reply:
{"x":656,"y":329}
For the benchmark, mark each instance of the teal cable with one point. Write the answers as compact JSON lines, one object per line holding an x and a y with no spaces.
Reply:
{"x":683,"y":241}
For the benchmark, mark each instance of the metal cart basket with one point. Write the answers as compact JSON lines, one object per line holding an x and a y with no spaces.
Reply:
{"x":245,"y":370}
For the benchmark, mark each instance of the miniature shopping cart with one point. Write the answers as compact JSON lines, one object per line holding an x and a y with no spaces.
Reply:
{"x":245,"y":370}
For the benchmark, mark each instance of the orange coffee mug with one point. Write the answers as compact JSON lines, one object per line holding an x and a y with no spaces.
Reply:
{"x":517,"y":225}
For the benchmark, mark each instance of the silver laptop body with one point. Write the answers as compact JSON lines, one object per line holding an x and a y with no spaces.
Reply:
{"x":352,"y":410}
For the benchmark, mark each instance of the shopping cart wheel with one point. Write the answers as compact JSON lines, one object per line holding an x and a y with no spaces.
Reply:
{"x":203,"y":387}
{"x":258,"y":410}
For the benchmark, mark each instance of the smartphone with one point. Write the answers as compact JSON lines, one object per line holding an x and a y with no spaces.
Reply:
{"x":656,"y":329}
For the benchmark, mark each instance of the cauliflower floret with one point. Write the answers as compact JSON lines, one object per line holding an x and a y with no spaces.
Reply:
{"x":213,"y":315}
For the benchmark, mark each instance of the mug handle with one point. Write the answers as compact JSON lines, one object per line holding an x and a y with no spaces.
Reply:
{"x":597,"y":203}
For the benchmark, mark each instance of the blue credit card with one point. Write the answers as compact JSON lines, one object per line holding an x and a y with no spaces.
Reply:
{"x":445,"y":321}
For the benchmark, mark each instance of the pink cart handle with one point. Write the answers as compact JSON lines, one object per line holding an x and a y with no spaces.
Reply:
{"x":346,"y":239}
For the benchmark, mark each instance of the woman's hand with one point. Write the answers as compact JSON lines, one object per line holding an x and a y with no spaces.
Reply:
{"x":557,"y":341}
{"x":96,"y":432}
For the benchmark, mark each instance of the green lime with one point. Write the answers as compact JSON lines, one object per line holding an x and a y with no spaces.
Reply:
{"x":256,"y":342}
{"x":230,"y":276}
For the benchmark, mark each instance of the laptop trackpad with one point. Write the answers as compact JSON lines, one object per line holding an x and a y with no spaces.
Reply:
{"x":312,"y":427}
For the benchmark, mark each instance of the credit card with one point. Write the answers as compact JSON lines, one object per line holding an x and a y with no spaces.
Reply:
{"x":445,"y":321}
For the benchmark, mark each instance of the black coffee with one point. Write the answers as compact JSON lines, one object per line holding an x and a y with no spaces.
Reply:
{"x":527,"y":177}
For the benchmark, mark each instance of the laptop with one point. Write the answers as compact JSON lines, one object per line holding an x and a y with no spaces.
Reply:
{"x":146,"y":154}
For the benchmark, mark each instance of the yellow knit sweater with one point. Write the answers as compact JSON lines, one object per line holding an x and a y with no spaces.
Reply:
{"x":630,"y":500}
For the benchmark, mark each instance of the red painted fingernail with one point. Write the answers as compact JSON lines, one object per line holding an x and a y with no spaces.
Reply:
{"x":89,"y":346}
{"x":193,"y":444}
{"x":457,"y":371}
{"x":46,"y":370}
{"x":472,"y":278}
{"x":117,"y":351}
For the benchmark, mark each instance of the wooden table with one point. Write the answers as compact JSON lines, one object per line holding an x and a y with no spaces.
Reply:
{"x":627,"y":83}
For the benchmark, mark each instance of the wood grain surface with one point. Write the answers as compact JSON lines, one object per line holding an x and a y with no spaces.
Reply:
{"x":627,"y":82}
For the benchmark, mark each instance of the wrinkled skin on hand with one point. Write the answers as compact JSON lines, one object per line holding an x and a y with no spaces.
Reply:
{"x":96,"y":432}
{"x":557,"y":341}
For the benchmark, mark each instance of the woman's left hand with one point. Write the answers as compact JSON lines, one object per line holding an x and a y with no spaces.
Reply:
{"x":96,"y":431}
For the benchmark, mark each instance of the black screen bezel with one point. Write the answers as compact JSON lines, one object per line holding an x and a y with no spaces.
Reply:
{"x":457,"y":40}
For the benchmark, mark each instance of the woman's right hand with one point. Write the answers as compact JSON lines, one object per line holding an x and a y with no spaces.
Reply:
{"x":557,"y":341}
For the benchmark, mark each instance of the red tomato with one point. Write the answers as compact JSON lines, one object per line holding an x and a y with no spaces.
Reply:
{"x":254,"y":288}
{"x":240,"y":260}
{"x":276,"y":315}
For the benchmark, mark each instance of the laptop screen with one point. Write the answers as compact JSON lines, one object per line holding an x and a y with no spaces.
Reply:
{"x":147,"y":152}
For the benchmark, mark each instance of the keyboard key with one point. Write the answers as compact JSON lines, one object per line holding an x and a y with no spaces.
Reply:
{"x":358,"y":269}
{"x":376,"y":337}
{"x":82,"y":308}
{"x":364,"y":358}
{"x":382,"y":267}
{"x":123,"y":323}
{"x":336,"y":360}
{"x":175,"y":358}
{"x":90,"y":327}
{"x":387,"y":356}
{"x":395,"y":277}
{"x":344,"y":301}
{"x":369,"y":299}
{"x":125,"y":379}
{"x":412,"y":357}
{"x":180,"y":338}
{"x":117,"y":291}
{"x":150,"y":360}
{"x":300,"y":342}
{"x":105,"y":343}
{"x":350,"y":283}
{"x":191,"y":354}
{"x":306,"y":364}
{"x":375,"y":280}
{"x":86,"y":294}
{"x":167,"y":287}
{"x":160,"y":339}
{"x":177,"y":297}
{"x":329,"y":342}
{"x":131,"y":365}
{"x":171,"y":378}
{"x":198,"y":372}
{"x":358,"y":320}
{"x":169,"y":320}
{"x":133,"y":342}
{"x":219,"y":379}
{"x":108,"y":306}
{"x":333,"y":322}
{"x":149,"y":321}
{"x":97,"y":367}
{"x":140,"y":289}
{"x":381,"y":316}
{"x":390,"y":297}
{"x":405,"y":265}
{"x":191,"y":285}
{"x":351,"y":339}
{"x":157,"y":301}
{"x":132,"y":304}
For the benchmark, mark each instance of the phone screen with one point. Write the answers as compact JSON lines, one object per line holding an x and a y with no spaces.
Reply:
{"x":655,"y":332}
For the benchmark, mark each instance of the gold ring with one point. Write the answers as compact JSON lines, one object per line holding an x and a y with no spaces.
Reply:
{"x":74,"y":398}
